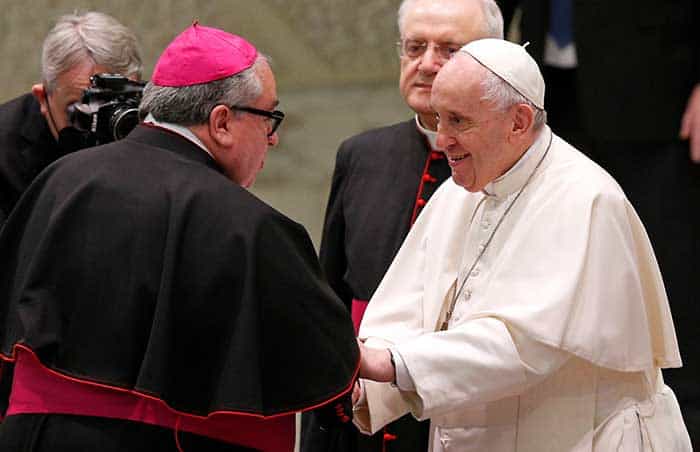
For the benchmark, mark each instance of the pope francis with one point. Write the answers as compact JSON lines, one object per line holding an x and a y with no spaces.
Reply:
{"x":525,"y":311}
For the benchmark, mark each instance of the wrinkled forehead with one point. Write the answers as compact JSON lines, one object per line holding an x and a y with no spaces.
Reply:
{"x":448,"y":21}
{"x":76,"y":79}
{"x":462,"y":69}
{"x":460,"y":77}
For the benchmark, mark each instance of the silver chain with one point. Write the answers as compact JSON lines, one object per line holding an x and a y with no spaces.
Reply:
{"x":453,"y":302}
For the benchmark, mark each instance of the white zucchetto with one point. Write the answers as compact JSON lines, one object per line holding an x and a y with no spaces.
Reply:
{"x":512,"y":63}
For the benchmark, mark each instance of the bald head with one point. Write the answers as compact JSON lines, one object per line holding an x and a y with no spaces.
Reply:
{"x":489,"y":17}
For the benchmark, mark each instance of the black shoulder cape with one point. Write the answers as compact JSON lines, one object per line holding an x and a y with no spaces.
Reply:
{"x":139,"y":265}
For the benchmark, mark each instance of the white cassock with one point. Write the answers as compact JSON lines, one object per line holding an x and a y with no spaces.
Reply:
{"x":561,"y":328}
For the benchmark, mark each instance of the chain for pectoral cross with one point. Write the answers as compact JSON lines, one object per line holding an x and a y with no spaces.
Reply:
{"x":458,"y":292}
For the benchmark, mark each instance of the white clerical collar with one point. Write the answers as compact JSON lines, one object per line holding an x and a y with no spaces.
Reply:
{"x":431,"y":135}
{"x":515,"y":177}
{"x":178,"y":129}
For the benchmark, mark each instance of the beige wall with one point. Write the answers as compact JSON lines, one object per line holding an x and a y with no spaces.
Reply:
{"x":334,"y":59}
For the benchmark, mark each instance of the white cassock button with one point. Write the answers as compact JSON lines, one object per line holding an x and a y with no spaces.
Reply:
{"x":475,"y":272}
{"x":482,"y":247}
{"x":467,"y":293}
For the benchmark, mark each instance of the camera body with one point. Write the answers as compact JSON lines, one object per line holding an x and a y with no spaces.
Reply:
{"x":109,"y":108}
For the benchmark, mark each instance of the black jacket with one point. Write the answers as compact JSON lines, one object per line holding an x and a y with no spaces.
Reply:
{"x":26,"y":148}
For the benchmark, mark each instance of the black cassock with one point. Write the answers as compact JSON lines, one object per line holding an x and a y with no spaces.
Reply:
{"x":139,"y":266}
{"x":382,"y":180}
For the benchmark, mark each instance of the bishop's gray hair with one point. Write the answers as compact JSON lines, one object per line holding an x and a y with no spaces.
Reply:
{"x":493,"y":19}
{"x":192,"y":105}
{"x":94,"y":37}
{"x":503,"y":96}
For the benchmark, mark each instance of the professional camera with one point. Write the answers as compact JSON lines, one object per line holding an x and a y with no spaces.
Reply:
{"x":109,"y":109}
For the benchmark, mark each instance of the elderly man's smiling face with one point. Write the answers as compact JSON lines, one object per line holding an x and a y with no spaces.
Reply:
{"x":473,"y":133}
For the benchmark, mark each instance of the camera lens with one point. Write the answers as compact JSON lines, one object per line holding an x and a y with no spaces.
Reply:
{"x":123,"y":121}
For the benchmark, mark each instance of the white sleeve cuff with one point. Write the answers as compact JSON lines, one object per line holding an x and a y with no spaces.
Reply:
{"x":404,"y":381}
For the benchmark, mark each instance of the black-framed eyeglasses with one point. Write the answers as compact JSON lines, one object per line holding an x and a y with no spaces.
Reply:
{"x":276,"y":116}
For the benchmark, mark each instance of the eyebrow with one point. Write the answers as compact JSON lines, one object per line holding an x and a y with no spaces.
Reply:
{"x":438,"y":41}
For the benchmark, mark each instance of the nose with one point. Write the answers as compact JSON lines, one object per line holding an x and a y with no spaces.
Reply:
{"x":430,"y":61}
{"x":443,"y":140}
{"x":273,"y":140}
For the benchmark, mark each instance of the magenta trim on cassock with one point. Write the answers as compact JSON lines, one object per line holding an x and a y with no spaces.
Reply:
{"x":37,"y":389}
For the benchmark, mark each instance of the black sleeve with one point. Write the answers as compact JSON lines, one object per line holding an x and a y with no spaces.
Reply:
{"x":308,"y":334}
{"x":329,"y":428}
{"x":6,"y":372}
{"x":332,"y":254}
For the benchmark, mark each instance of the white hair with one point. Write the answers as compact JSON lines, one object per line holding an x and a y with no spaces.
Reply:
{"x":192,"y":105}
{"x":91,"y":36}
{"x":503,"y":96}
{"x":493,"y":19}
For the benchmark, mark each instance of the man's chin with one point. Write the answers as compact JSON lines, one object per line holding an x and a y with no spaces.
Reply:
{"x":420,"y":103}
{"x":469,"y":185}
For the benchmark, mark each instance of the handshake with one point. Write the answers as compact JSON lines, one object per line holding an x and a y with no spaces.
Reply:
{"x":376,"y":364}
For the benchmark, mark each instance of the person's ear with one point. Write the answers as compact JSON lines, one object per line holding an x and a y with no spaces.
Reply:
{"x":523,"y":120}
{"x":39,"y":93}
{"x":221,"y":122}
